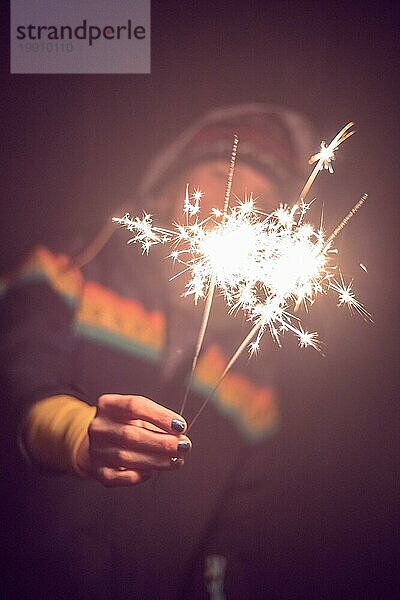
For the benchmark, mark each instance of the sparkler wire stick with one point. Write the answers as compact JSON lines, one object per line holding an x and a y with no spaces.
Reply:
{"x":210,"y":295}
{"x":228,"y":367}
{"x":230,"y":177}
{"x":347,"y":218}
{"x":199,"y":342}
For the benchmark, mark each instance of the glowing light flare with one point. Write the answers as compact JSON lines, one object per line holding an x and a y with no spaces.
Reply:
{"x":298,"y":266}
{"x":192,"y":202}
{"x":229,"y":252}
{"x":325,"y":156}
{"x":197,"y":195}
{"x":266,"y":265}
{"x":346,"y":296}
{"x":307,"y":339}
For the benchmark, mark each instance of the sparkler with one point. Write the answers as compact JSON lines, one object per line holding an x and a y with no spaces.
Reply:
{"x":326,"y":155}
{"x":210,"y":295}
{"x":264,"y":264}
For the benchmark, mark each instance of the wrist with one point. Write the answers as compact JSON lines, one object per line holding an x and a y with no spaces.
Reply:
{"x":55,"y":432}
{"x":82,"y":463}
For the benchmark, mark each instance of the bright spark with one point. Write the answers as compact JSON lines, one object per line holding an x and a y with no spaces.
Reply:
{"x":307,"y":339}
{"x":263,"y":264}
{"x":192,"y":202}
{"x":326,"y":155}
{"x":266,"y":265}
{"x":197,"y":195}
{"x":347,"y":297}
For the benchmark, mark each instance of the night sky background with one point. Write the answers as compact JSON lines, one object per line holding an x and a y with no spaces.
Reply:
{"x":74,"y":147}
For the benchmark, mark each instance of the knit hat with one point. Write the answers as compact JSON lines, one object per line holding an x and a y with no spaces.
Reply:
{"x":274,"y":140}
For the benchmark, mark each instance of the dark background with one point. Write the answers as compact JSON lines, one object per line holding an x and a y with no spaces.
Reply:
{"x":74,"y":146}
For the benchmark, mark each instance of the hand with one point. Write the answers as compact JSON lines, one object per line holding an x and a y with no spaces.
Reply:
{"x":129,"y":438}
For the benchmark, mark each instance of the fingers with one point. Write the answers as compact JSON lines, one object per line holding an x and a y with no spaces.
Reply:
{"x":119,"y":458}
{"x":136,"y":436}
{"x":132,"y":436}
{"x":121,"y":478}
{"x":128,"y":408}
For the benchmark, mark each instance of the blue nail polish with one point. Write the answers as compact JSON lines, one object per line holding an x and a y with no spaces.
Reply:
{"x":183,"y":446}
{"x":178,"y":425}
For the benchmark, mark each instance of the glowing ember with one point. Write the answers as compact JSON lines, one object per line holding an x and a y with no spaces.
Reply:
{"x":264,"y":264}
{"x":347,"y":297}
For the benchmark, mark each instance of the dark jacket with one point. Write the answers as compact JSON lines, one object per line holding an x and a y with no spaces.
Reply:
{"x":107,"y":330}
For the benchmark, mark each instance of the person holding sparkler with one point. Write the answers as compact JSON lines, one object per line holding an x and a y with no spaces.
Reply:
{"x":98,"y":349}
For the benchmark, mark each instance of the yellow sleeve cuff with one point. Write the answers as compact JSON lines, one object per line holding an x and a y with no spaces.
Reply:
{"x":54,"y":430}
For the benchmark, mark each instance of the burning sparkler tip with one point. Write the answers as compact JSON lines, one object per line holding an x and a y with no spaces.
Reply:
{"x":268,"y":265}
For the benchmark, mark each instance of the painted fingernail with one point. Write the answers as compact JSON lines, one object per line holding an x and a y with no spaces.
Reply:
{"x":176,"y":461}
{"x":178,"y":425}
{"x":184,"y":446}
